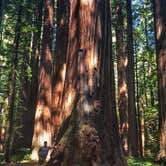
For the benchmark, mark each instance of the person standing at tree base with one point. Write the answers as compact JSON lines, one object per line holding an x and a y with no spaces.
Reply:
{"x":43,"y":152}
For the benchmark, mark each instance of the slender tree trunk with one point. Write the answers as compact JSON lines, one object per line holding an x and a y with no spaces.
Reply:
{"x":1,"y":12}
{"x":3,"y":124}
{"x":122,"y":83}
{"x":1,"y":18}
{"x":42,"y":127}
{"x":11,"y":90}
{"x":144,"y":60}
{"x":89,"y":135}
{"x":138,"y":107}
{"x":160,"y":28}
{"x":133,"y":131}
{"x":142,"y":124}
{"x":152,"y":96}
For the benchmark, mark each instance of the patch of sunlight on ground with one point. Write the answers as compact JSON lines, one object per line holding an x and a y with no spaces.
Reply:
{"x":141,"y":162}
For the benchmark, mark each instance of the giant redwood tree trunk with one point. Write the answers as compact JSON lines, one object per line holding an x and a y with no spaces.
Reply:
{"x":89,"y":134}
{"x":122,"y":82}
{"x":42,"y":126}
{"x":59,"y":62}
{"x":160,"y":27}
{"x":133,"y":130}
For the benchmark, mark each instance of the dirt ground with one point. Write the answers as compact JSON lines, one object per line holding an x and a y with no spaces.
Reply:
{"x":20,"y":164}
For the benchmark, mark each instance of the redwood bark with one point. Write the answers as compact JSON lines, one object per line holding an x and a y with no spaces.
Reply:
{"x":133,"y":130}
{"x":59,"y":63}
{"x":42,"y":127}
{"x":122,"y":81}
{"x":36,"y":52}
{"x":89,"y":135}
{"x":160,"y":28}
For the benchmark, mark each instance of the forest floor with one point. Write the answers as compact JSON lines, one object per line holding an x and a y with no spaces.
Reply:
{"x":20,"y":164}
{"x":20,"y":161}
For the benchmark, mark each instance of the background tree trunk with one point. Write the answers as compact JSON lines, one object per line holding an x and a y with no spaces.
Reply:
{"x":133,"y":130}
{"x":3,"y":124}
{"x":122,"y":82}
{"x":2,"y":7}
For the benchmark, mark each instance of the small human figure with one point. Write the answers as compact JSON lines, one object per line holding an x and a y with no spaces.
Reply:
{"x":43,"y":152}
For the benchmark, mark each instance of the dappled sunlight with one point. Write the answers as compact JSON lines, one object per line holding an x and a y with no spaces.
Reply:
{"x":87,"y":2}
{"x":41,"y":134}
{"x":69,"y":101}
{"x":57,"y":98}
{"x":125,"y":127}
{"x":123,"y":88}
{"x":123,"y":62}
{"x":159,"y":28}
{"x":34,"y":155}
{"x":93,"y":59}
{"x":46,"y":114}
{"x":2,"y":133}
{"x":57,"y":92}
{"x":38,"y":112}
{"x":48,"y":58}
{"x":42,"y":125}
{"x":87,"y":107}
{"x":91,"y":66}
{"x":62,"y":22}
{"x":63,"y":72}
{"x":57,"y":95}
{"x":44,"y":136}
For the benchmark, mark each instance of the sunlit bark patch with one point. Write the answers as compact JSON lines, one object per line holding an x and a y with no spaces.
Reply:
{"x":42,"y":126}
{"x":159,"y":28}
{"x":42,"y":129}
{"x":57,"y":92}
{"x":87,"y":2}
{"x":48,"y":56}
{"x":123,"y":88}
{"x":69,"y":101}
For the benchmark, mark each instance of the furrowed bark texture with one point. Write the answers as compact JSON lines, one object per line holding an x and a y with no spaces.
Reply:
{"x":122,"y":80}
{"x":160,"y":28}
{"x":42,"y":127}
{"x":133,"y":129}
{"x":89,"y":134}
